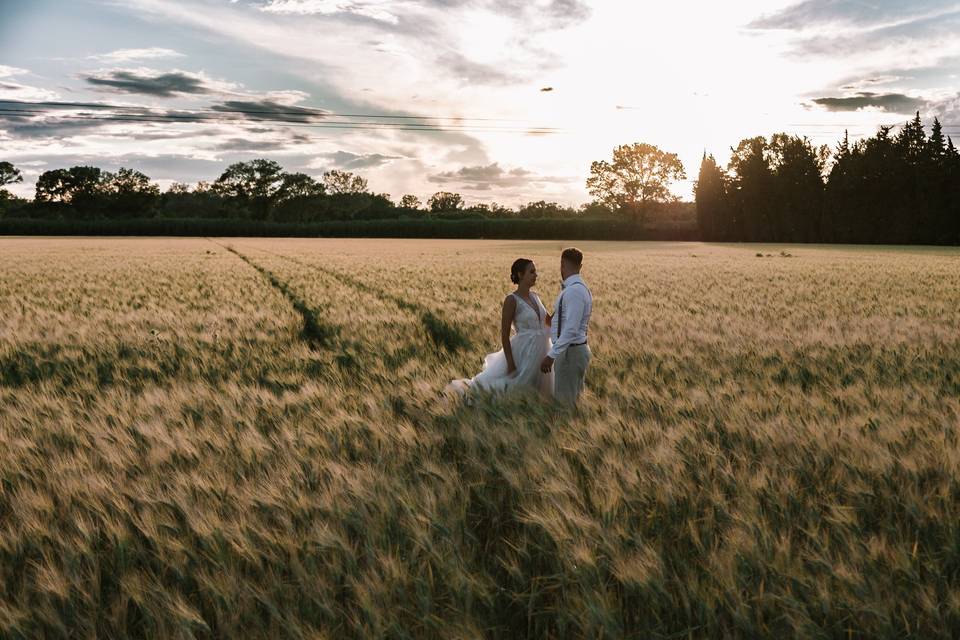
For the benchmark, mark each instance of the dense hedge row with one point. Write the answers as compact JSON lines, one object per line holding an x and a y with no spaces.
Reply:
{"x":591,"y":229}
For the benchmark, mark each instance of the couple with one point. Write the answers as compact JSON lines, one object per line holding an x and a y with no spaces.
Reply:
{"x":530,"y":359}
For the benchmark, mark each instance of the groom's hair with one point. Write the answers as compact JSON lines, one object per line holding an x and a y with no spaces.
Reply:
{"x":573,"y":256}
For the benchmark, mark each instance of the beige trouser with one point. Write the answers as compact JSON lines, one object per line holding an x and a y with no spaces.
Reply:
{"x":570,"y":371}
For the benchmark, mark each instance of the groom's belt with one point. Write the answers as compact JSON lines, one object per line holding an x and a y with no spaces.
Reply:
{"x":577,"y":344}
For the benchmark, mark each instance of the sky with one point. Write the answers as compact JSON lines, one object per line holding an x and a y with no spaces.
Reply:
{"x":520,"y":95}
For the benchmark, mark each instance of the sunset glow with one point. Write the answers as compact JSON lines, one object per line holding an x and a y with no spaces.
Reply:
{"x":687,"y":76}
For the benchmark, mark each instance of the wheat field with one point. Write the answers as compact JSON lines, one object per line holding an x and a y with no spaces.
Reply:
{"x":218,"y":438}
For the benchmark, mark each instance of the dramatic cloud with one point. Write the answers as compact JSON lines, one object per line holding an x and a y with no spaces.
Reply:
{"x":269,"y":110}
{"x":246,"y":144}
{"x":155,"y":83}
{"x":127,"y":55}
{"x":483,"y":178}
{"x":879,"y":33}
{"x":486,"y":63}
{"x":353,"y":161}
{"x":46,"y":127}
{"x":924,"y":39}
{"x":891,"y":102}
{"x":62,"y":120}
{"x":948,"y":108}
{"x":469,"y":72}
{"x":813,"y":14}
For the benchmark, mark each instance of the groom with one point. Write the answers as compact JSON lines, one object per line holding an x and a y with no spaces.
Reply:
{"x":569,"y":329}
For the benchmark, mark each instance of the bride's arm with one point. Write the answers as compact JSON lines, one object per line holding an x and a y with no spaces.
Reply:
{"x":506,"y":319}
{"x":548,"y":316}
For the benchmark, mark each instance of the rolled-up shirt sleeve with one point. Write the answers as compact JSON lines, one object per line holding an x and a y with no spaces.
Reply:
{"x":573,"y":306}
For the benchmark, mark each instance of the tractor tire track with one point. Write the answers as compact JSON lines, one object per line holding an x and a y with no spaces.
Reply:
{"x":317,"y":334}
{"x":442,"y":333}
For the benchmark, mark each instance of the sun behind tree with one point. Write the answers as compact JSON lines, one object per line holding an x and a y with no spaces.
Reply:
{"x":639,"y":176}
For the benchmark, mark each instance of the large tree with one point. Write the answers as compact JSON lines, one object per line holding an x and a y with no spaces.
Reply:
{"x":129,"y":194}
{"x":9,"y":174}
{"x":299,"y":185}
{"x":710,"y":195}
{"x":752,"y":189}
{"x":69,"y":185}
{"x":343,"y":182}
{"x":445,"y":201}
{"x":798,"y":169}
{"x":410,"y":201}
{"x":254,"y":185}
{"x":638,"y":175}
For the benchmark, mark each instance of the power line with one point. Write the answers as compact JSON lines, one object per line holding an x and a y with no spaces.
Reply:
{"x":309,"y":112}
{"x":331,"y":125}
{"x":319,"y":119}
{"x":855,"y":124}
{"x":155,"y":118}
{"x":303,"y":112}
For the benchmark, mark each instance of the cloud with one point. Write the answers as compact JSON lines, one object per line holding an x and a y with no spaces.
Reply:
{"x":280,"y":141}
{"x":244,"y":144}
{"x":469,"y":72}
{"x":17,"y":91}
{"x":10,"y":90}
{"x":348,"y":160}
{"x":555,"y":14}
{"x":485,"y":177}
{"x":63,"y":120}
{"x":270,"y":110}
{"x":126,"y":55}
{"x":880,"y":32}
{"x":947,"y":108}
{"x":864,"y":83}
{"x":889,"y":102}
{"x":156,"y":83}
{"x":52,"y":127}
{"x":926,"y":39}
{"x":375,"y":10}
{"x":6,"y":72}
{"x":562,"y":13}
{"x":814,"y":14}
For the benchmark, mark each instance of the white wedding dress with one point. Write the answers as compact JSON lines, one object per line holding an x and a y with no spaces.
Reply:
{"x":530,"y":344}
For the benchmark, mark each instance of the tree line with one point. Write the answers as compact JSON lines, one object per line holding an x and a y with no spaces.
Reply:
{"x":256,"y":190}
{"x":896,"y":189}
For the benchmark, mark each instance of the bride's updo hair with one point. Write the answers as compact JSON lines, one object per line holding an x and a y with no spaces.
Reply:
{"x":519,"y":266}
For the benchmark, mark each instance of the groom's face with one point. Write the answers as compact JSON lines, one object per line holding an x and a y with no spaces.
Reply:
{"x":565,"y":269}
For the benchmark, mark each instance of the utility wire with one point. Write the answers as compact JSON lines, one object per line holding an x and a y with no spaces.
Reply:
{"x":303,"y":112}
{"x":10,"y":114}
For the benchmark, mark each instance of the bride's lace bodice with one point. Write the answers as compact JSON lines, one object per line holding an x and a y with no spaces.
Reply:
{"x":526,"y":318}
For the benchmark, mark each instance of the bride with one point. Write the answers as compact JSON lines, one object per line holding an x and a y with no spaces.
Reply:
{"x":517,"y":364}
